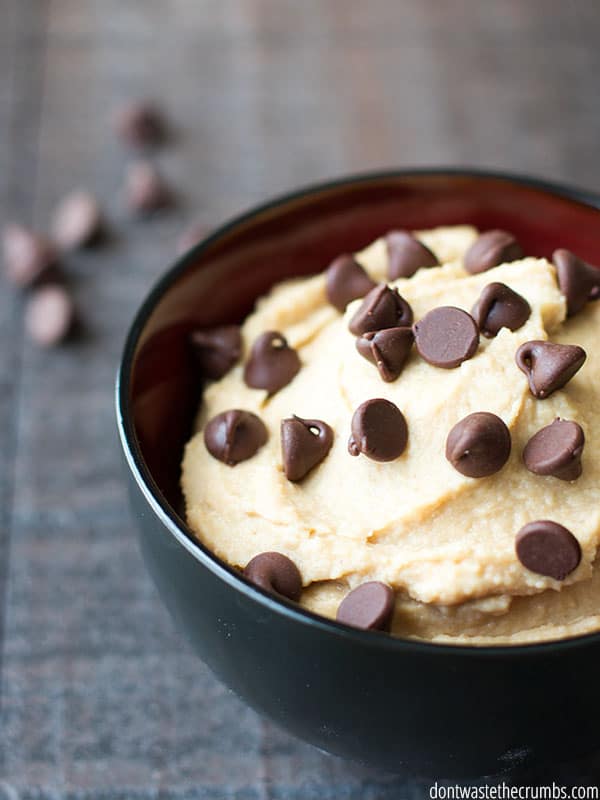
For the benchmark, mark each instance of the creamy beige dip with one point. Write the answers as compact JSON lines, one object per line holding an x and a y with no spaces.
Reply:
{"x":443,"y":541}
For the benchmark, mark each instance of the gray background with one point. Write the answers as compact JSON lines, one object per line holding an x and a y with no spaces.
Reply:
{"x":100,"y":697}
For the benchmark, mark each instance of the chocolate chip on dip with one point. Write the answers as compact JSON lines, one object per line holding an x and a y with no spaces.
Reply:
{"x":304,"y":444}
{"x":548,"y":548}
{"x":549,"y":366}
{"x":388,"y":349}
{"x":499,"y":307}
{"x":346,"y":280}
{"x":478,"y":445}
{"x":382,"y":308}
{"x":370,"y":606}
{"x":234,"y":436}
{"x":276,"y":573}
{"x":217,"y":349}
{"x":491,"y":249}
{"x":272,"y":363}
{"x":578,"y":281}
{"x":446,"y":337}
{"x":406,"y":254}
{"x":556,"y":450}
{"x":379,"y":431}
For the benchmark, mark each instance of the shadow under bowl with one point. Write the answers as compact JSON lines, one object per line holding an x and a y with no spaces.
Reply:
{"x":399,"y":705}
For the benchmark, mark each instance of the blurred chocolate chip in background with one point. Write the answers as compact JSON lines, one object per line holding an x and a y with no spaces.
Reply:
{"x":49,"y":315}
{"x":28,"y":256}
{"x":77,"y":220}
{"x":145,"y":189}
{"x":140,"y":125}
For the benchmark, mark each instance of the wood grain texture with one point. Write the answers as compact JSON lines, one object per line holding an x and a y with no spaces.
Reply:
{"x":100,"y":696}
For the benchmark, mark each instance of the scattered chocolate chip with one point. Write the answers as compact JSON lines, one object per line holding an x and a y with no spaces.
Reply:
{"x":28,"y":257}
{"x":446,"y":337}
{"x":491,"y":249}
{"x":217,"y":349}
{"x":378,"y":430}
{"x":499,"y":307}
{"x":145,"y":190}
{"x":49,"y":315}
{"x":77,"y":221}
{"x":578,"y":281}
{"x":190,"y":237}
{"x":275,"y":573}
{"x":388,"y":349}
{"x":478,"y":445}
{"x":369,"y":606}
{"x":304,"y":444}
{"x":346,"y":280}
{"x":549,"y":366}
{"x":234,"y":436}
{"x":556,"y":450}
{"x":548,"y":548}
{"x":272,"y":363}
{"x":406,"y":254}
{"x":382,"y":308}
{"x":140,"y":125}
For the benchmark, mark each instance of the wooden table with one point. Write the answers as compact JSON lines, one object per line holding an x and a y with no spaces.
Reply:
{"x":100,"y":695}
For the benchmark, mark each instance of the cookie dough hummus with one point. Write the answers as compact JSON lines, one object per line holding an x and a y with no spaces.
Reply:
{"x":407,"y":441}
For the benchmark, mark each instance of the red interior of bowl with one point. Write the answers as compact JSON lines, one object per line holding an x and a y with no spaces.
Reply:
{"x":220,"y":281}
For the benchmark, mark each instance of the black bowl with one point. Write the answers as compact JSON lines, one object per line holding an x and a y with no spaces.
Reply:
{"x":401,"y":705}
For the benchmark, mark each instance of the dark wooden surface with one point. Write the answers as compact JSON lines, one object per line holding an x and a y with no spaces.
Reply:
{"x":100,"y":696}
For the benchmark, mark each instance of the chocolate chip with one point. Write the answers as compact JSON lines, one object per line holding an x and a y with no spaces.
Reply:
{"x":478,"y":445}
{"x":446,"y":337}
{"x":406,"y":255}
{"x":77,"y":221}
{"x":556,"y":450}
{"x":369,"y":606}
{"x":28,"y":257}
{"x":548,"y":548}
{"x":388,"y":349}
{"x":382,"y":308}
{"x":272,"y":363}
{"x":378,"y":430}
{"x":234,"y":436}
{"x":578,"y":281}
{"x":145,"y":190}
{"x":499,"y":307}
{"x":49,"y":315}
{"x":346,"y":280}
{"x":491,"y":249}
{"x":275,"y":573}
{"x":549,"y":366}
{"x":217,"y":349}
{"x":304,"y":444}
{"x":140,"y":124}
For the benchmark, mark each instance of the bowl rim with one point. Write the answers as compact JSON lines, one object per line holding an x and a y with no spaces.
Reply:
{"x":171,"y":520}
